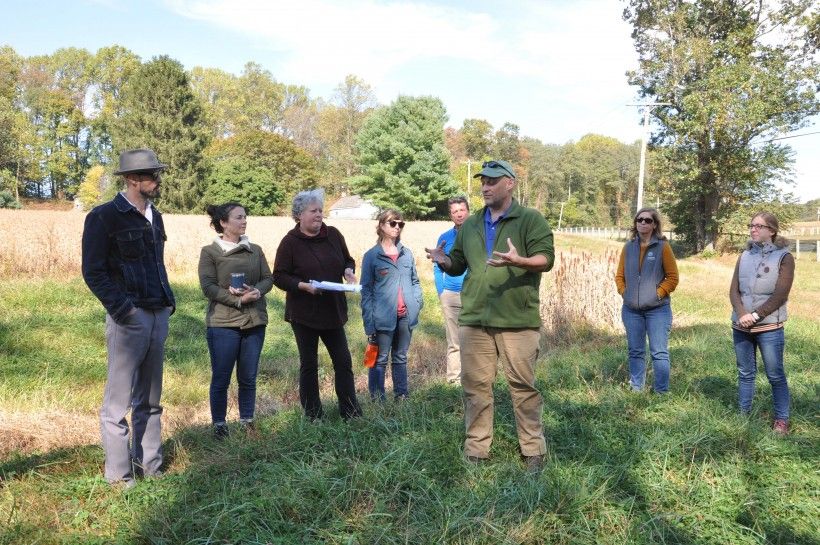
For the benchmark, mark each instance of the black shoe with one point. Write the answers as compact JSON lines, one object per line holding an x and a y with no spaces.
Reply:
{"x":221,"y":431}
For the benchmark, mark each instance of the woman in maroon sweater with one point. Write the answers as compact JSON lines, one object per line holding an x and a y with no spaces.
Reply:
{"x":315,"y":251}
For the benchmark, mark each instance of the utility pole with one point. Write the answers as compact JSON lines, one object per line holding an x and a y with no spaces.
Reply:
{"x":561,"y":214}
{"x":469,"y":180}
{"x":647,"y":108}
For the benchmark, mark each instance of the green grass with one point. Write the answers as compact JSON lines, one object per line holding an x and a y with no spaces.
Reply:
{"x":623,"y":468}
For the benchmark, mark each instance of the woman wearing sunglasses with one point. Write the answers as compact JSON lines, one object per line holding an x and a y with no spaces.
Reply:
{"x":758,"y":293}
{"x":647,"y":274}
{"x":391,"y":302}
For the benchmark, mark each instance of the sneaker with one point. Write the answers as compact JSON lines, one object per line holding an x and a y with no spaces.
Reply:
{"x":221,"y":431}
{"x":781,"y":427}
{"x":535,"y":464}
{"x":476,"y":460}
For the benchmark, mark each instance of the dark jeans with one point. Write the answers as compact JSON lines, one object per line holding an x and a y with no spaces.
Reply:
{"x":229,"y":346}
{"x":394,"y":342}
{"x":771,"y":345}
{"x":335,"y":340}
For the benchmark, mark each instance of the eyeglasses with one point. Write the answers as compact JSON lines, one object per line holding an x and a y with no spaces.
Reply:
{"x":394,"y":223}
{"x":650,"y":221}
{"x":496,"y":164}
{"x":758,"y":226}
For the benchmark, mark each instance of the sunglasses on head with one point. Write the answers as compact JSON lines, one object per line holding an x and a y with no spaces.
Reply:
{"x":394,"y":223}
{"x":645,"y":220}
{"x":496,"y":164}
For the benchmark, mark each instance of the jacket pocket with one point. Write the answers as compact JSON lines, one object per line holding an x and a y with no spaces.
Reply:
{"x":131,"y":244}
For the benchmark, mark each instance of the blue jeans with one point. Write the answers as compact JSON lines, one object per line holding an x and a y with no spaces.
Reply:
{"x":229,"y":346}
{"x":656,"y":324}
{"x":771,"y":345}
{"x":396,"y":342}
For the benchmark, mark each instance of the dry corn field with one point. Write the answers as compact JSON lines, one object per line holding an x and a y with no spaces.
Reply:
{"x":580,"y":290}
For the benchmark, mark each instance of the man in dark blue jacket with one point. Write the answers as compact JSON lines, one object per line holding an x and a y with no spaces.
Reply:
{"x":123,"y":265}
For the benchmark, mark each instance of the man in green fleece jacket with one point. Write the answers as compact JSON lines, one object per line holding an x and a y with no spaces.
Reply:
{"x":506,"y":247}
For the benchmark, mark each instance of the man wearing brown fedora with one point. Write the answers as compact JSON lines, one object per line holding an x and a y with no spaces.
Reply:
{"x":123,"y":265}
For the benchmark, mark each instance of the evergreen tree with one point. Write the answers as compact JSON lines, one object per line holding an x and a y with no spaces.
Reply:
{"x":404,"y":162}
{"x":160,"y":111}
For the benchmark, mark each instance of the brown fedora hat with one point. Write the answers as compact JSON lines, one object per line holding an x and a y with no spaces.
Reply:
{"x":139,"y":160}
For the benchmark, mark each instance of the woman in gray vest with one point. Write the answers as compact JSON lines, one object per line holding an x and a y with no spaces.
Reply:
{"x":759,"y":291}
{"x":647,"y":274}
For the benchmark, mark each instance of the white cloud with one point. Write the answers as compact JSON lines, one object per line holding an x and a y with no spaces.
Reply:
{"x":323,"y":40}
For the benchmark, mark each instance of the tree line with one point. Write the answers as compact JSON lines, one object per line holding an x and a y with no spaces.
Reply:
{"x":64,"y":118}
{"x":728,"y":77}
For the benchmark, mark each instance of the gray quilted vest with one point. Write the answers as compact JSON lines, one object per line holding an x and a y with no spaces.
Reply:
{"x":757,"y":276}
{"x":642,"y":281}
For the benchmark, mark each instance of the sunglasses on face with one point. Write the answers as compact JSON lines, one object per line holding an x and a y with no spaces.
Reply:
{"x":394,"y":223}
{"x":758,"y":226}
{"x":155,"y":176}
{"x":650,"y":221}
{"x":496,"y":164}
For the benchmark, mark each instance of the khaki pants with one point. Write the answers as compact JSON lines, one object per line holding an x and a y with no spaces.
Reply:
{"x":480,"y":351}
{"x":451,"y":308}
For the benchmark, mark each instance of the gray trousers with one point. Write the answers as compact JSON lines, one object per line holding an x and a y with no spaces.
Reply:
{"x":136,"y":349}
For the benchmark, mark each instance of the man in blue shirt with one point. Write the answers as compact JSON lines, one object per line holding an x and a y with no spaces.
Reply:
{"x":449,"y":288}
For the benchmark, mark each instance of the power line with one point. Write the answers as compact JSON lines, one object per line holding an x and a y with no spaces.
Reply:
{"x":793,"y":136}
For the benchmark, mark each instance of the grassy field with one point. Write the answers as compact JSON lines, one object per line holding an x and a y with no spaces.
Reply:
{"x":623,"y":468}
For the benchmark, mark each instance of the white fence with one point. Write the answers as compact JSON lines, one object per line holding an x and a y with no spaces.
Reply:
{"x":604,"y":232}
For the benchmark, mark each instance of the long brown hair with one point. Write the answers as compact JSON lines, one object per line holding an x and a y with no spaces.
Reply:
{"x":384,"y":217}
{"x":657,"y":231}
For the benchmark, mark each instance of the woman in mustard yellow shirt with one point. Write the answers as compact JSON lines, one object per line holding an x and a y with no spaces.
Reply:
{"x":647,"y":274}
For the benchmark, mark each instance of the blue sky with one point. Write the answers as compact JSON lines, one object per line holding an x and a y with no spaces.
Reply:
{"x":553,"y":67}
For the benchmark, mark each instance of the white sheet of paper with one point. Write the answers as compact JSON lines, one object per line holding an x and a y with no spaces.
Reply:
{"x":336,"y":286}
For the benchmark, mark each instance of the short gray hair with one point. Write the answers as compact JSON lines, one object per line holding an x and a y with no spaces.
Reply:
{"x":303,"y":199}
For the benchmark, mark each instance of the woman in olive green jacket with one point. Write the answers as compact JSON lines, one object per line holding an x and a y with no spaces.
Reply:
{"x":237,"y":315}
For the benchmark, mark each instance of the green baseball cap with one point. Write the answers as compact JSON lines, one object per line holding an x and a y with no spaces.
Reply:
{"x":496,"y":169}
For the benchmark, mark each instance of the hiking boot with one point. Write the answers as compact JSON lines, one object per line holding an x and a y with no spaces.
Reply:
{"x":781,"y":427}
{"x":535,"y":464}
{"x":249,"y":428}
{"x":221,"y":431}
